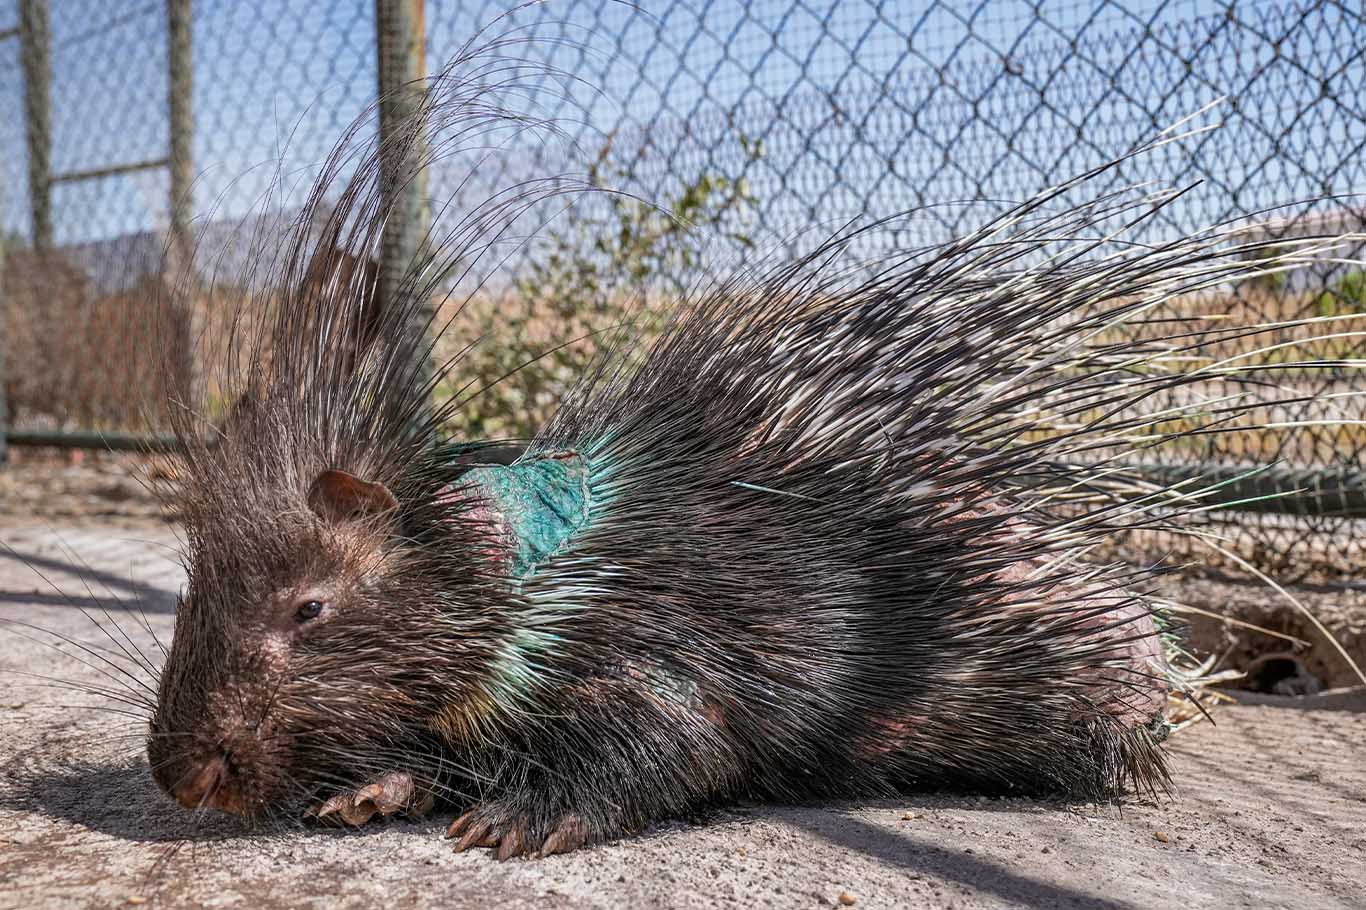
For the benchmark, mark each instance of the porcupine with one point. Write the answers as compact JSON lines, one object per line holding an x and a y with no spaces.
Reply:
{"x":824,"y":537}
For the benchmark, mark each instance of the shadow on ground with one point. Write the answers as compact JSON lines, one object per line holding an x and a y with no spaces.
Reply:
{"x":921,"y":857}
{"x":99,"y":589}
{"x":122,"y":801}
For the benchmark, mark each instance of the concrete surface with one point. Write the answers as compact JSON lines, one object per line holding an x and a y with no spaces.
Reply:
{"x":1271,"y":808}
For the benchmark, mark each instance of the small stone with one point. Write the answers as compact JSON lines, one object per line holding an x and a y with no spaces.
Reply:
{"x":846,"y":899}
{"x":1046,"y":850}
{"x":909,"y":816}
{"x":1161,"y":836}
{"x":136,"y":900}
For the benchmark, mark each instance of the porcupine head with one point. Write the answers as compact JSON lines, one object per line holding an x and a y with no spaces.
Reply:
{"x":347,"y":588}
{"x":354,"y":633}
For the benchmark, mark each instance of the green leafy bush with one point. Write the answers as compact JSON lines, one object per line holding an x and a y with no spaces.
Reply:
{"x":1346,"y":297}
{"x":606,"y":268}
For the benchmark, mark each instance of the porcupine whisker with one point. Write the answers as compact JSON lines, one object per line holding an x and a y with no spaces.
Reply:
{"x":52,"y":682}
{"x":106,"y":655}
{"x":86,"y":707}
{"x":96,"y":651}
{"x":139,"y":693}
{"x":137,"y":656}
{"x":164,"y":855}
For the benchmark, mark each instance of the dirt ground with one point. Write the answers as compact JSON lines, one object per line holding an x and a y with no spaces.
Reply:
{"x":1269,"y":810}
{"x":79,"y":487}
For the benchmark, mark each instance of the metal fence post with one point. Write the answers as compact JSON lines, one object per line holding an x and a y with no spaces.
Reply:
{"x":400,"y":27}
{"x":34,"y":40}
{"x":180,"y":246}
{"x":34,"y":59}
{"x":181,"y":84}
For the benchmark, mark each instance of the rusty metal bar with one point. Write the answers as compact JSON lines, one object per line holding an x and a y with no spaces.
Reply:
{"x":111,"y":171}
{"x":93,"y":439}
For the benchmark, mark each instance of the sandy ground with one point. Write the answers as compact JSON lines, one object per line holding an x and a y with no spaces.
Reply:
{"x":1270,"y":809}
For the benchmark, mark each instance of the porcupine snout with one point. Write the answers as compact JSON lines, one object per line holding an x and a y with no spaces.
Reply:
{"x":207,"y":785}
{"x":215,"y":758}
{"x":213,"y":741}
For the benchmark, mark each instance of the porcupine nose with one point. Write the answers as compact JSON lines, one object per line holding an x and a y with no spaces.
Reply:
{"x":208,"y":787}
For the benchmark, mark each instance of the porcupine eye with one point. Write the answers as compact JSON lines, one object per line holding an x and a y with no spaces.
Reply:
{"x":308,"y":610}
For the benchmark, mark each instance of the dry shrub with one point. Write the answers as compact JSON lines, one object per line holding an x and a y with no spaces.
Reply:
{"x":78,"y":358}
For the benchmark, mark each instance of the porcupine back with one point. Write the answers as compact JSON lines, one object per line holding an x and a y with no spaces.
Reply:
{"x":826,"y":535}
{"x":863,"y":500}
{"x":812,"y":495}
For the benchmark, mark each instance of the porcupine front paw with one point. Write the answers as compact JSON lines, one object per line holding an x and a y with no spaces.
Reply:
{"x":518,"y":833}
{"x":393,"y":792}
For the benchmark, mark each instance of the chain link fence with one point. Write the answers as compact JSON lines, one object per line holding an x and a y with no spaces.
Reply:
{"x":773,"y":121}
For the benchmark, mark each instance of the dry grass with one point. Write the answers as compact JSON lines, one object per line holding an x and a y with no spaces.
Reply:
{"x":532,"y":351}
{"x":76,"y":358}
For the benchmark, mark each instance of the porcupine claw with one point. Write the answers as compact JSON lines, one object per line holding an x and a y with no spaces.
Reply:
{"x":570,"y":834}
{"x":393,"y":792}
{"x":472,"y":831}
{"x":513,"y":842}
{"x":514,"y":837}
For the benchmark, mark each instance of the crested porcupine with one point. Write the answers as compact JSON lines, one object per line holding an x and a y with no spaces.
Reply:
{"x":826,"y":536}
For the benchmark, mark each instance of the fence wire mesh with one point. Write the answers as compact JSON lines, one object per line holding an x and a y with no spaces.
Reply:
{"x":767,"y":121}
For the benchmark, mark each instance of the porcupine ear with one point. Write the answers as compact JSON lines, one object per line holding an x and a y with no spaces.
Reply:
{"x":340,"y":497}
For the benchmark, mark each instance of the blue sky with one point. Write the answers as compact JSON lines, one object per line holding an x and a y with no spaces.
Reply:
{"x":861,"y":107}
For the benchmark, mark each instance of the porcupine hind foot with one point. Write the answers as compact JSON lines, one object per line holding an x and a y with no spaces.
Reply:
{"x":515,"y":833}
{"x":390,"y":793}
